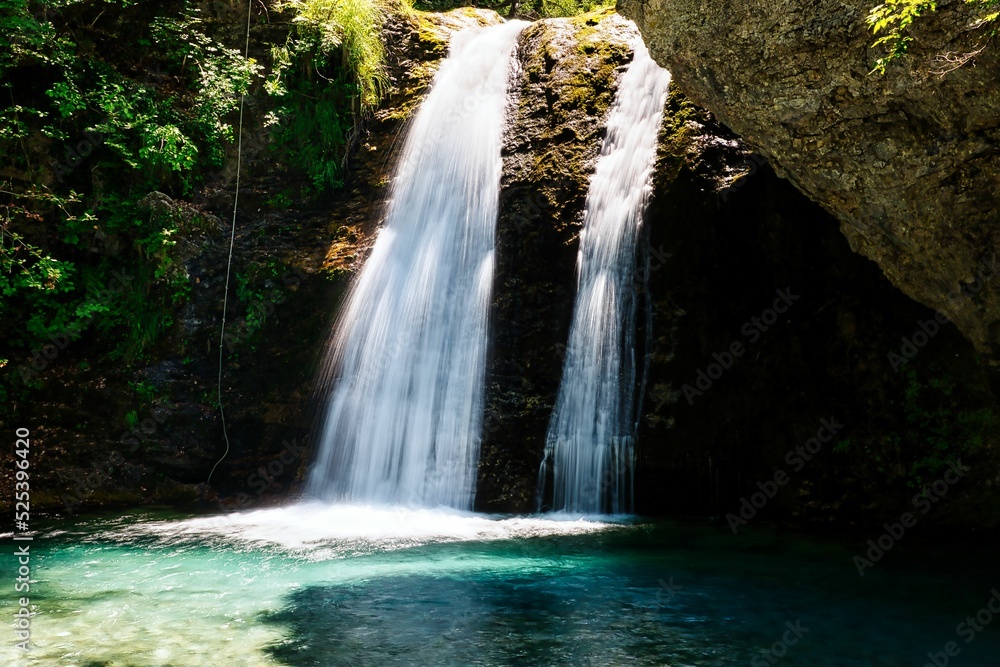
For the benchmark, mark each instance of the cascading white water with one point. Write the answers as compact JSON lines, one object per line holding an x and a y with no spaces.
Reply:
{"x":589,"y":445}
{"x":404,"y":417}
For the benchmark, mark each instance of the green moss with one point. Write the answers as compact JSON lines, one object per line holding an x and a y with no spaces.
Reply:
{"x":408,"y":98}
{"x":942,"y":425}
{"x":590,"y":88}
{"x":426,"y":48}
{"x":676,"y":134}
{"x":429,"y":38}
{"x":579,"y":82}
{"x":675,"y":131}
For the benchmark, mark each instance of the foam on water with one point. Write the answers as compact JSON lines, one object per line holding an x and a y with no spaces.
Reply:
{"x":317,"y":531}
{"x":143,"y":593}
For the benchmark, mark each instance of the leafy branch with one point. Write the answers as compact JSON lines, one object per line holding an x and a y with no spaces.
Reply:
{"x":891,"y":23}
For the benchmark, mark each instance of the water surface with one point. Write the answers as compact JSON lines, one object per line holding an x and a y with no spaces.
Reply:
{"x":329,"y":586}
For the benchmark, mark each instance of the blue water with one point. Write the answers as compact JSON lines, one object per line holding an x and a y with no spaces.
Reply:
{"x":353,"y":586}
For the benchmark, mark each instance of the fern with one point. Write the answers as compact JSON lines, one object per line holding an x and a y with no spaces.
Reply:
{"x":355,"y":28}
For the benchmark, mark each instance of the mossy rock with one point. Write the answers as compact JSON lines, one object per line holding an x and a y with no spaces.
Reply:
{"x":418,"y":43}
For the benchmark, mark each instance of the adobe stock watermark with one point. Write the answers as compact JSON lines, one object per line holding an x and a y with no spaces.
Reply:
{"x":657,"y":260}
{"x":75,"y":155}
{"x":926,"y":330}
{"x":667,"y":590}
{"x":779,"y":649}
{"x":536,"y":207}
{"x":22,"y":521}
{"x":969,"y":629}
{"x":923,"y":502}
{"x":752,"y":330}
{"x":797,"y":459}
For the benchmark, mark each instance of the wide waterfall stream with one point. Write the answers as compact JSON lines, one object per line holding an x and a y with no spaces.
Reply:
{"x":403,"y":420}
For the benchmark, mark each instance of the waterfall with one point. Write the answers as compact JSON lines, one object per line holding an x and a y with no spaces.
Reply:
{"x":589,"y":446}
{"x":403,"y":420}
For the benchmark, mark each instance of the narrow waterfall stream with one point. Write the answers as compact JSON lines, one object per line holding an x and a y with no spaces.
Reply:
{"x":404,"y":416}
{"x":589,"y":446}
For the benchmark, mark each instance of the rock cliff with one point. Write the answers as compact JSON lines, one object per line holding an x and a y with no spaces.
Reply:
{"x":909,"y":162}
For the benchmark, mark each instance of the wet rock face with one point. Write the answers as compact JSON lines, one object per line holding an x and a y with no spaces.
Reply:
{"x":909,"y":163}
{"x":723,"y":235}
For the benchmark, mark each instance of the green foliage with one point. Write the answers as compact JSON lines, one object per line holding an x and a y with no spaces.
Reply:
{"x":95,"y":118}
{"x":222,"y":76}
{"x":280,"y":200}
{"x":29,"y":273}
{"x":140,"y":127}
{"x":177,"y":127}
{"x":893,"y":20}
{"x":557,"y":8}
{"x":258,"y":292}
{"x":85,"y":132}
{"x":144,"y":390}
{"x":312,"y":128}
{"x":27,"y":39}
{"x":891,"y":23}
{"x":330,"y":72}
{"x":354,"y":28}
{"x":25,"y":267}
{"x":183,"y":130}
{"x":943,"y":427}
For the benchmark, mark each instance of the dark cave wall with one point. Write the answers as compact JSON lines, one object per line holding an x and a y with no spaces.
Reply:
{"x":717,"y":425}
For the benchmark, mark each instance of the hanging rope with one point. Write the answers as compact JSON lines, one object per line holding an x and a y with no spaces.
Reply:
{"x":229,"y":263}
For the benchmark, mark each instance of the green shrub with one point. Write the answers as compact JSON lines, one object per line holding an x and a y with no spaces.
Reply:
{"x":87,"y":133}
{"x":352,"y":27}
{"x":327,"y":77}
{"x":529,"y":9}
